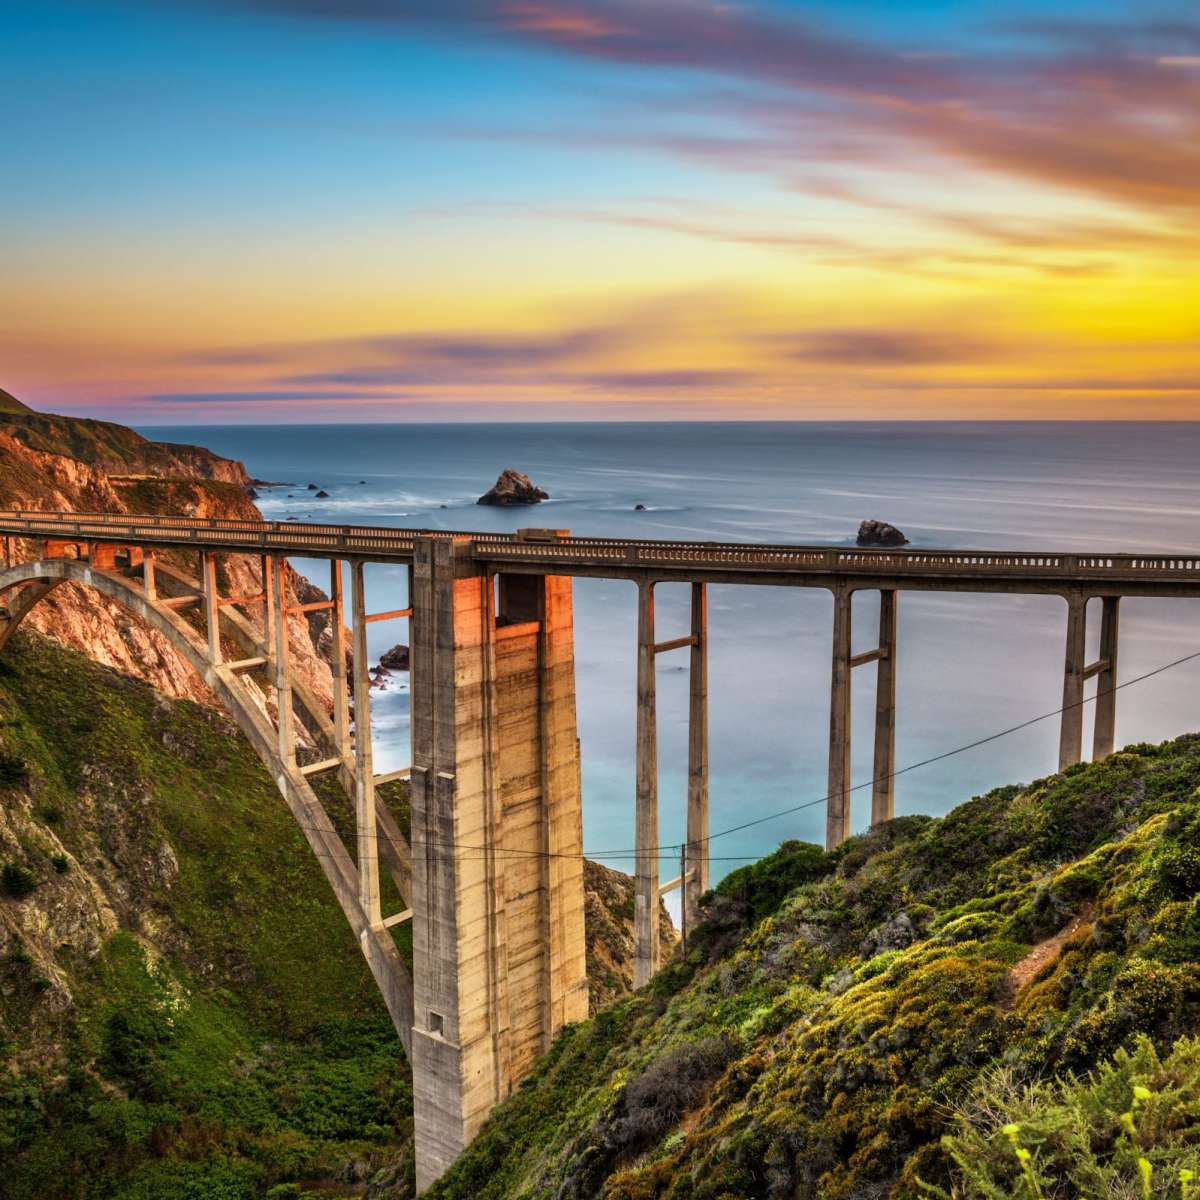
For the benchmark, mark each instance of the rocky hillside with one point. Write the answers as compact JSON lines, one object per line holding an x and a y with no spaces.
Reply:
{"x":57,"y":463}
{"x":9,"y":404}
{"x":183,"y":1010}
{"x":839,"y":1015}
{"x":113,"y":448}
{"x":608,"y":911}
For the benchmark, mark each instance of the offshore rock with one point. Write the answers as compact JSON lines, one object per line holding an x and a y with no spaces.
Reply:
{"x":513,"y":488}
{"x":880,"y":533}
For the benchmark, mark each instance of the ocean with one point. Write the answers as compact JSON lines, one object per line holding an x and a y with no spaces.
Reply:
{"x":968,"y":665}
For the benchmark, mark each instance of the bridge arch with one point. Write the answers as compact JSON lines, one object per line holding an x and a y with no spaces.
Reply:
{"x":24,"y":585}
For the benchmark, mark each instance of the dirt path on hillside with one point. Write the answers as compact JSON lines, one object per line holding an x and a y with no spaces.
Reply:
{"x":1044,"y":952}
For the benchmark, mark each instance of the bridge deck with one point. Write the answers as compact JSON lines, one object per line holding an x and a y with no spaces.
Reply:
{"x":794,"y":565}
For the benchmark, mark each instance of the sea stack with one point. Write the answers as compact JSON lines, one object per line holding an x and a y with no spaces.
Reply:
{"x":880,"y":533}
{"x":513,"y":488}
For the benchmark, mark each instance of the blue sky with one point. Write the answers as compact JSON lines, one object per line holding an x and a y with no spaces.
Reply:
{"x":225,"y":198}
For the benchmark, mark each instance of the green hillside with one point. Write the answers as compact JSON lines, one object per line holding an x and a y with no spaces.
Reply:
{"x":839,"y":1015}
{"x":109,"y":446}
{"x":217,"y":1031}
{"x":10,"y":404}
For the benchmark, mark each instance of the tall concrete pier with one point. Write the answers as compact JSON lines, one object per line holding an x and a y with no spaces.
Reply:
{"x":490,"y":874}
{"x":499,"y":960}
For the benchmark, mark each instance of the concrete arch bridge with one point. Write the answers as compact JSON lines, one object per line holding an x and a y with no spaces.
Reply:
{"x":492,"y":880}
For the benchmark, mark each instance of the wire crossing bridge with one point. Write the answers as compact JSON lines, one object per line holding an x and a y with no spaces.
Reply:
{"x":491,"y":873}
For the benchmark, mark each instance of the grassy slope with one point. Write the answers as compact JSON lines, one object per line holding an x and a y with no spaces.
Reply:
{"x":10,"y":404}
{"x":244,"y":1041}
{"x":102,"y":444}
{"x":836,"y":1008}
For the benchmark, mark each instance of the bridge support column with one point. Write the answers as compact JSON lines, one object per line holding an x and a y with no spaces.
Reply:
{"x":837,"y":811}
{"x":212,"y":609}
{"x":367,"y":857}
{"x":279,"y":662}
{"x":646,"y":893}
{"x":1070,"y":743}
{"x":883,"y":787}
{"x":337,"y":663}
{"x":497,"y":886}
{"x":1104,"y":734}
{"x":695,"y":882}
{"x":149,"y":582}
{"x":267,"y":571}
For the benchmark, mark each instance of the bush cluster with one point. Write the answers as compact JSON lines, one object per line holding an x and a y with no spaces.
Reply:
{"x":17,"y":881}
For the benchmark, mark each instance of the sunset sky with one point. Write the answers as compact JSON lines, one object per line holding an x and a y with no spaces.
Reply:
{"x":372,"y":210}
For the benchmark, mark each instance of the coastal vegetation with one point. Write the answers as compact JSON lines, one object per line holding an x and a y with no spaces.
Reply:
{"x":183,"y":1010}
{"x":870,"y":1022}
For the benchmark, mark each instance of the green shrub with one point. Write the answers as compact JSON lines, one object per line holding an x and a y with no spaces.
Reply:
{"x":1130,"y":1128}
{"x":61,"y":863}
{"x":17,"y":881}
{"x":13,"y":770}
{"x":134,"y":1038}
{"x":1179,"y":871}
{"x":764,"y":885}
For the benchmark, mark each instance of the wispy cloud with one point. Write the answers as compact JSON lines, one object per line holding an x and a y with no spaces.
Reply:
{"x":881,"y":347}
{"x":1101,"y":107}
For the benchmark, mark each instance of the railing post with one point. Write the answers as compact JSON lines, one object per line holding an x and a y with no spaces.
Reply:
{"x":837,"y":810}
{"x":364,"y":769}
{"x":212,"y":610}
{"x":646,"y":897}
{"x":883,"y":785}
{"x":283,"y":682}
{"x":1070,"y":743}
{"x":337,"y":664}
{"x":1105,"y":731}
{"x":696,"y":850}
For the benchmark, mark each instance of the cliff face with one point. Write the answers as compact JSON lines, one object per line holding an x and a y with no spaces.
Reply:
{"x":608,"y":911}
{"x":183,"y":1010}
{"x":200,"y":485}
{"x":116,"y":448}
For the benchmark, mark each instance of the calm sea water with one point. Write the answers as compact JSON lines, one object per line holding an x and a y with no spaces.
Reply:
{"x":968,"y":664}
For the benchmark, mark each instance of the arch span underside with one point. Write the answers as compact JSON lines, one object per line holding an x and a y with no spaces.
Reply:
{"x":24,"y":585}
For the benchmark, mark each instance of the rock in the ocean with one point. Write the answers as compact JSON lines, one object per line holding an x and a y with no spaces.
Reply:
{"x":312,"y":487}
{"x":639,"y":508}
{"x":321,"y":495}
{"x":880,"y":533}
{"x":513,"y":488}
{"x":395,"y":659}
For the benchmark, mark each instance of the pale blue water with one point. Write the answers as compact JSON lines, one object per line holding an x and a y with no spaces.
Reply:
{"x":968,"y":664}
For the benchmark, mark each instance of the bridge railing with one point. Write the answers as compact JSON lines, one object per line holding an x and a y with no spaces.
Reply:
{"x":618,"y":553}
